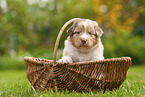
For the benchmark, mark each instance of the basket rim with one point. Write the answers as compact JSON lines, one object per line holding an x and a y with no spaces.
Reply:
{"x":43,"y":60}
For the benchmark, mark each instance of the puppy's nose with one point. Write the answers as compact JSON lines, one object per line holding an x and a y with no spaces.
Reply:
{"x":83,"y":41}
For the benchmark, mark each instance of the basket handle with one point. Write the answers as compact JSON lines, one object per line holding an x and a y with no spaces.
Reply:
{"x":59,"y":36}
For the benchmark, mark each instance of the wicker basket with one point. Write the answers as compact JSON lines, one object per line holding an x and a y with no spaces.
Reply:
{"x":105,"y":74}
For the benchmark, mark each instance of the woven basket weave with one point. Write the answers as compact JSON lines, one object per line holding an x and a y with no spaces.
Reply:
{"x":105,"y":74}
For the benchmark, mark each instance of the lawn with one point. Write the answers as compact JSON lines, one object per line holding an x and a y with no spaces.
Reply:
{"x":13,"y":83}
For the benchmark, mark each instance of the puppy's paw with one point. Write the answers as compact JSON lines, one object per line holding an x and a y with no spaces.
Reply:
{"x":65,"y":60}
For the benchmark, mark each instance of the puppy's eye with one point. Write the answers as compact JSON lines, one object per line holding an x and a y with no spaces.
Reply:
{"x":77,"y":32}
{"x":91,"y":33}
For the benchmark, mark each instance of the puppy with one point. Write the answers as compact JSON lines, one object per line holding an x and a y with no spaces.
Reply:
{"x":83,"y":43}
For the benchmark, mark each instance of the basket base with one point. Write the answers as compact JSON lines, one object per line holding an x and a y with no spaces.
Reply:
{"x":84,"y":76}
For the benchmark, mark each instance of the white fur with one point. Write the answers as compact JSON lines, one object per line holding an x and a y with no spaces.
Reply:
{"x":72,"y":54}
{"x":84,"y":36}
{"x":85,"y":25}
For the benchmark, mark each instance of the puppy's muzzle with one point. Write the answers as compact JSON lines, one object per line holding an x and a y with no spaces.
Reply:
{"x":83,"y":41}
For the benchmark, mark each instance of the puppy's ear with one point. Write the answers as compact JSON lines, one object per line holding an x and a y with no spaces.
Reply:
{"x":70,"y":30}
{"x":99,"y":31}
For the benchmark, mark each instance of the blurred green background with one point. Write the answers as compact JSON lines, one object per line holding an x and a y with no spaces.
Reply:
{"x":30,"y":28}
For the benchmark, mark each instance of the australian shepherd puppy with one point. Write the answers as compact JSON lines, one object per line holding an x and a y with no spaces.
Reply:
{"x":83,"y":43}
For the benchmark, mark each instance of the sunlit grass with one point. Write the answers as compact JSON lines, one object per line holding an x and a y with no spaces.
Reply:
{"x":14,"y":83}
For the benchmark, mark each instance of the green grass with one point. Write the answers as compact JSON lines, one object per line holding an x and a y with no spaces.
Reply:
{"x":13,"y":83}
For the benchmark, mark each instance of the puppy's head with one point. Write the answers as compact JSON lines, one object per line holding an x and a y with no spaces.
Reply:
{"x":84,"y":33}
